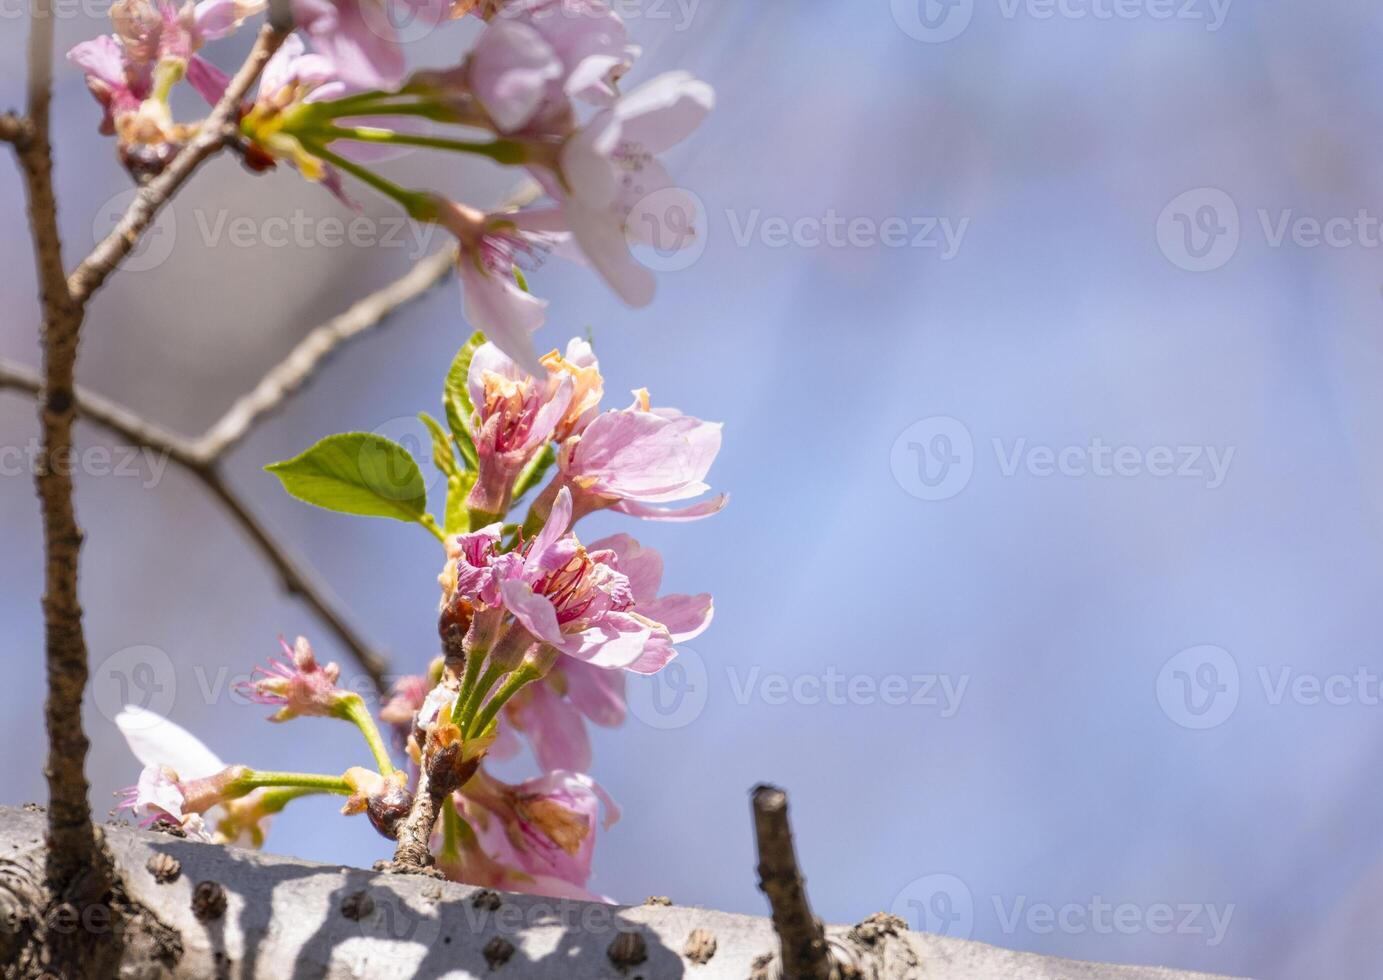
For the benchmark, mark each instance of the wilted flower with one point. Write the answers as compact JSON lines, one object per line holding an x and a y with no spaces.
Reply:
{"x":298,"y":683}
{"x":183,"y":782}
{"x":543,"y":829}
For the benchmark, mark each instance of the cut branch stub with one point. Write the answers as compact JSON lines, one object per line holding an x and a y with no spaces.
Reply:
{"x":805,"y":954}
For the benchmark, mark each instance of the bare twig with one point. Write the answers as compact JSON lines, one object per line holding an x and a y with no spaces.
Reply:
{"x":281,"y":15}
{"x":215,"y":132}
{"x":303,"y":361}
{"x":804,"y":951}
{"x":296,"y":580}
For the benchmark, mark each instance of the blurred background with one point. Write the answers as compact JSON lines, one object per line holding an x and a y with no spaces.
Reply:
{"x":1047,"y":339}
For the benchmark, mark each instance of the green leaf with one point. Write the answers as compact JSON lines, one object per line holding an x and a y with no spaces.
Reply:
{"x":533,"y":473}
{"x":357,"y":473}
{"x":457,"y":378}
{"x":443,"y":456}
{"x":456,"y":398}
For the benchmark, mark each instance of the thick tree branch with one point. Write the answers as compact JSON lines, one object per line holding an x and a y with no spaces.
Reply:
{"x":805,"y":953}
{"x":288,"y":918}
{"x":218,"y":130}
{"x":306,"y":358}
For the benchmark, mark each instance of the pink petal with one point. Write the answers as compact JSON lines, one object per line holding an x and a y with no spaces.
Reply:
{"x":598,"y":694}
{"x":506,"y":314}
{"x":664,"y":111}
{"x":533,"y":611}
{"x":685,"y":616}
{"x":556,"y":730}
{"x":643,"y":566}
{"x":673,"y":515}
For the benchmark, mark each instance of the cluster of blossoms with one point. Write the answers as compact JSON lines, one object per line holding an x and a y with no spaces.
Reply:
{"x":537,"y":630}
{"x":539,"y":90}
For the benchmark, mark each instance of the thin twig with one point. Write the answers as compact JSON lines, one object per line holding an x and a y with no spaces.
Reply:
{"x":304,"y":360}
{"x":215,"y":132}
{"x":805,"y":953}
{"x":138,"y":432}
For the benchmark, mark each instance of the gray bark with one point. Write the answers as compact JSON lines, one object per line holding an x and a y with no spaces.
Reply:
{"x":285,"y":919}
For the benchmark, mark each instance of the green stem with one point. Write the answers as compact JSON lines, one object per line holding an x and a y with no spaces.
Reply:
{"x":504,"y":151}
{"x":420,"y":205}
{"x":256,"y":779}
{"x":472,"y":705}
{"x":451,"y":828}
{"x":274,"y":800}
{"x":474,"y":661}
{"x":430,"y":522}
{"x":352,"y":708}
{"x":517,"y":680}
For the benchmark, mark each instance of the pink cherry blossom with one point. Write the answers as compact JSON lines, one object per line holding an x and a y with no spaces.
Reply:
{"x":537,"y":55}
{"x":516,"y":412}
{"x":544,"y":828}
{"x":359,"y":36}
{"x":634,"y":459}
{"x":610,"y":168}
{"x":581,"y":603}
{"x":493,"y":246}
{"x":118,"y":82}
{"x":183,"y":781}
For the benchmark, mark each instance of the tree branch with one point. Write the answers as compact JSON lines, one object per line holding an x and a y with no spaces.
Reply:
{"x":218,"y":129}
{"x":138,"y":432}
{"x":289,"y":918}
{"x":306,"y":358}
{"x":805,"y":954}
{"x":71,"y":837}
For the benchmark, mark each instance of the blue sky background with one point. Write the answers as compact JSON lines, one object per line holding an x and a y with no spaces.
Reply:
{"x":1086,"y":759}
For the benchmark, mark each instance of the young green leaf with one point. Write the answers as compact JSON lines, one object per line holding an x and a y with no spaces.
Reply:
{"x":443,"y":456}
{"x":357,"y":473}
{"x":456,"y":398}
{"x":458,"y":376}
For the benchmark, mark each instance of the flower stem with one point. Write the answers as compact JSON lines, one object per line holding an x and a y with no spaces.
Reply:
{"x":420,"y":206}
{"x":475,"y":660}
{"x":503,"y":151}
{"x":451,"y":828}
{"x":517,"y":680}
{"x":352,"y":708}
{"x":477,"y":695}
{"x":311,"y":782}
{"x":430,"y":522}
